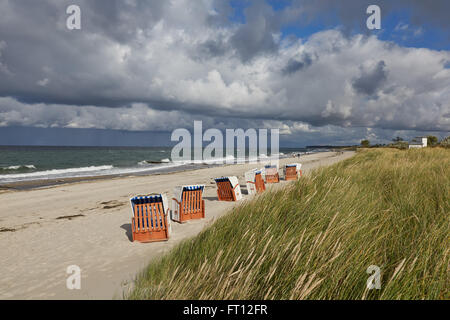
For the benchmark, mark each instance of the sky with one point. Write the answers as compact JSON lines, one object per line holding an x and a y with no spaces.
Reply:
{"x":139,"y":69}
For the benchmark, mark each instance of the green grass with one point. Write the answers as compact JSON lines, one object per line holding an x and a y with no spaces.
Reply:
{"x":316,"y":238}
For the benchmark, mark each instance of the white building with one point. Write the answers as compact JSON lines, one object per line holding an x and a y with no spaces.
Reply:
{"x":418,"y":142}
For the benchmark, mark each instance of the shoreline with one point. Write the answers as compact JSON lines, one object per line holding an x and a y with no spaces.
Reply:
{"x":42,"y":183}
{"x":87,"y":223}
{"x":37,"y":183}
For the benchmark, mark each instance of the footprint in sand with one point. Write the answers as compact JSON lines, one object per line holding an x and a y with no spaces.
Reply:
{"x":111,"y":204}
{"x":70,"y":217}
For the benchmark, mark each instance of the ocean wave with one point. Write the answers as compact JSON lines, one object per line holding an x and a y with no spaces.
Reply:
{"x":55,"y":173}
{"x":147,"y":162}
{"x":83,"y":172}
{"x":26,"y":167}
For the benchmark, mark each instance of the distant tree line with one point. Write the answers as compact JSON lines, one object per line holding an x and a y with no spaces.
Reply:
{"x":400,"y":143}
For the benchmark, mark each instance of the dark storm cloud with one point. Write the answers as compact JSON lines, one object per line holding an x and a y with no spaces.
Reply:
{"x":370,"y":81}
{"x":79,"y":65}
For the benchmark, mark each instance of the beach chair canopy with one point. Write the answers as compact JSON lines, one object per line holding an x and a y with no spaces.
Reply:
{"x":233,"y":180}
{"x":270,"y":170}
{"x":297,"y":165}
{"x":153,"y":198}
{"x":178,"y":191}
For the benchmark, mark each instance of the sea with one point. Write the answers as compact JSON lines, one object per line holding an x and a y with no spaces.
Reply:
{"x":19,"y":164}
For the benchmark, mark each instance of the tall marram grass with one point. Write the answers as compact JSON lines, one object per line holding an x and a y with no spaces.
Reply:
{"x":316,"y":238}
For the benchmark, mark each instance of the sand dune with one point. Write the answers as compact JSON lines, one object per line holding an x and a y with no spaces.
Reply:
{"x":43,"y":231}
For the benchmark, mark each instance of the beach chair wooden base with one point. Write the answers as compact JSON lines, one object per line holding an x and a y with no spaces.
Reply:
{"x":275,"y":178}
{"x":146,"y":237}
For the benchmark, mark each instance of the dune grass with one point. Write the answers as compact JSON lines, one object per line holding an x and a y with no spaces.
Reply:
{"x":316,"y":238}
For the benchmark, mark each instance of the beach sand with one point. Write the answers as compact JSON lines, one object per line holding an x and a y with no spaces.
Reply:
{"x":88,"y":224}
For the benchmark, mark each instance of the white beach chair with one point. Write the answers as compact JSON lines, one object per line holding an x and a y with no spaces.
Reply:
{"x":255,"y":181}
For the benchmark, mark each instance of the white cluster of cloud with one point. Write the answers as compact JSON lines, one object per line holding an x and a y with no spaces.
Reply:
{"x":137,"y":65}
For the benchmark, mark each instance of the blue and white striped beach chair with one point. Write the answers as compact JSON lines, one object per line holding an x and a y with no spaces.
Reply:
{"x":150,"y":221}
{"x":188,"y":203}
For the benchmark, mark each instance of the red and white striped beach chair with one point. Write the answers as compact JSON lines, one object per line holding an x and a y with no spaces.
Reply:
{"x":188,"y":203}
{"x":228,"y":189}
{"x":150,"y":221}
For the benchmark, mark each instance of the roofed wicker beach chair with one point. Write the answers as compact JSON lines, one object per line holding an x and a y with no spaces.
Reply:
{"x":272,"y":175}
{"x":259,"y":182}
{"x":228,"y":189}
{"x":292,"y":171}
{"x":255,"y":181}
{"x":150,"y":221}
{"x":188,"y":203}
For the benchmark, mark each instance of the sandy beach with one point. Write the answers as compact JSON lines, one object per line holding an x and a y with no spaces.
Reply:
{"x":45,"y":230}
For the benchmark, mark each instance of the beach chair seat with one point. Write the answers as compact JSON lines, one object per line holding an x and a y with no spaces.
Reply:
{"x":272,"y":175}
{"x":228,"y":189}
{"x":254,"y":181}
{"x":188,"y":203}
{"x":150,"y":220}
{"x":293,"y":171}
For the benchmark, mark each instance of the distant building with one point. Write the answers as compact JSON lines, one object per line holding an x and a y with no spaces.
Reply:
{"x":418,"y":142}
